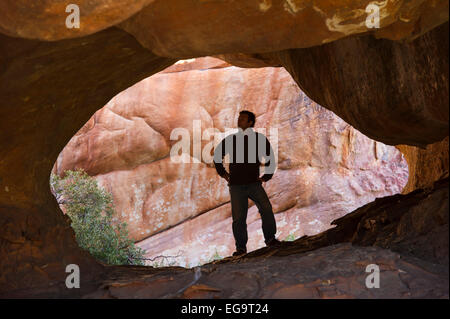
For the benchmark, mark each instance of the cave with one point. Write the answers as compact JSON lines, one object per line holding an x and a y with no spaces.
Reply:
{"x":389,"y":83}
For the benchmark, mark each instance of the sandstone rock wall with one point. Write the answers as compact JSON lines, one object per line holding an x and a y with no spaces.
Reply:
{"x":48,"y":91}
{"x":425,"y":165}
{"x":396,"y":93}
{"x":209,"y":27}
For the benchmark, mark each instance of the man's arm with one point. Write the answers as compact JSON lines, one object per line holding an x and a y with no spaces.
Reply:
{"x":219,"y":154}
{"x":270,"y":163}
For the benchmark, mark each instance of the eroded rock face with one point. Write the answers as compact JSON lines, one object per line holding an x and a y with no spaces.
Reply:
{"x":425,"y":165}
{"x":392,"y":92}
{"x":336,"y":271}
{"x":257,"y":26}
{"x":405,"y":235}
{"x":48,"y":91}
{"x":325,"y":167}
{"x":403,"y":81}
{"x":46,"y":19}
{"x":191,"y":27}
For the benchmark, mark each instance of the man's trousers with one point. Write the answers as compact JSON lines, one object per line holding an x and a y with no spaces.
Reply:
{"x":239,"y":206}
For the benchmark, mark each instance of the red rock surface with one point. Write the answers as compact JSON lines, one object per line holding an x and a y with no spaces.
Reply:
{"x":406,"y":236}
{"x":380,"y":79}
{"x":46,"y":19}
{"x":55,"y":96}
{"x":425,"y":165}
{"x":325,"y":167}
{"x":336,"y":271}
{"x":184,"y":27}
{"x":175,"y":29}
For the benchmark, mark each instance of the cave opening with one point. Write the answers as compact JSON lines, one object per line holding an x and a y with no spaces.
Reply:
{"x":180,"y":212}
{"x":391,"y":86}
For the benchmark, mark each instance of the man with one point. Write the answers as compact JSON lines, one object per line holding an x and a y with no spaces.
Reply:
{"x":246,"y":148}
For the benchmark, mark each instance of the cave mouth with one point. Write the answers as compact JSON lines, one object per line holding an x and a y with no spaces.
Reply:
{"x":180,"y":213}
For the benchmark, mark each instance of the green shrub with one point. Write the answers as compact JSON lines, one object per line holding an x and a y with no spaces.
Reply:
{"x":214,"y":257}
{"x":91,"y":210}
{"x":290,"y":237}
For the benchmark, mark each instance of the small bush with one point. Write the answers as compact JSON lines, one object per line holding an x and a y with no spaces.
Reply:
{"x":214,"y":257}
{"x":290,"y":237}
{"x":91,"y":211}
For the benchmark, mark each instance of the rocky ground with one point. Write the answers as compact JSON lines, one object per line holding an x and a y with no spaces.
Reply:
{"x":406,"y":236}
{"x":336,"y":271}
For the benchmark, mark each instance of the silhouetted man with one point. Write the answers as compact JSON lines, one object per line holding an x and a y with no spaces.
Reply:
{"x":246,"y":149}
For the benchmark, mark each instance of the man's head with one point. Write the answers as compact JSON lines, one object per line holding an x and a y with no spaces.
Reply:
{"x":246,"y":119}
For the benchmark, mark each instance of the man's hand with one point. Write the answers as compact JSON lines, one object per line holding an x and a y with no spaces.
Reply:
{"x":261,"y":180}
{"x":227,"y":176}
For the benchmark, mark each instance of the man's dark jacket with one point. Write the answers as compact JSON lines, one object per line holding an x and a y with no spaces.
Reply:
{"x":244,"y":169}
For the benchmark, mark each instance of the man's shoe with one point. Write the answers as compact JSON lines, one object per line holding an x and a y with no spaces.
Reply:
{"x":239,"y":252}
{"x":273,"y":243}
